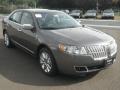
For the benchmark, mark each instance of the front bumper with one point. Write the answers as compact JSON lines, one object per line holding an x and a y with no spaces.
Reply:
{"x":75,"y":65}
{"x":107,"y":17}
{"x":75,"y":16}
{"x":90,"y":17}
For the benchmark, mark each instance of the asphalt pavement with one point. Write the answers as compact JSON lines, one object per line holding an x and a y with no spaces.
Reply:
{"x":20,"y":71}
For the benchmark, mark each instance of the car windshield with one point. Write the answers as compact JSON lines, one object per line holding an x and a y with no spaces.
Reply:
{"x":75,"y":11}
{"x":56,"y":20}
{"x":108,"y":11}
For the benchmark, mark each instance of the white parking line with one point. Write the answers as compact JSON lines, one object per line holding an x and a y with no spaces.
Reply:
{"x":99,"y":20}
{"x":106,"y":26}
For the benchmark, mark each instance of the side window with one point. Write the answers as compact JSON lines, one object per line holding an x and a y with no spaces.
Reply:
{"x":27,"y":19}
{"x":16,"y":17}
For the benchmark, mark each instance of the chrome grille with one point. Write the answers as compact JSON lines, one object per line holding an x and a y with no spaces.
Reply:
{"x":97,"y":52}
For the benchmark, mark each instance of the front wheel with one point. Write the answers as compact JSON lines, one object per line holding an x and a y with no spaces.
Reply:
{"x":47,"y":62}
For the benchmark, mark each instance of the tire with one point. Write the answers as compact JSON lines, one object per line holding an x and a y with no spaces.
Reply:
{"x":47,"y":62}
{"x":7,"y":41}
{"x":113,"y":18}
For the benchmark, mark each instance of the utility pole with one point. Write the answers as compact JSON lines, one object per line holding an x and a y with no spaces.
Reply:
{"x":11,"y":4}
{"x":36,"y":3}
{"x":97,"y":6}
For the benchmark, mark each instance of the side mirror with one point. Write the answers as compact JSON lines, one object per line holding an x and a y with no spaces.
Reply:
{"x":27,"y":27}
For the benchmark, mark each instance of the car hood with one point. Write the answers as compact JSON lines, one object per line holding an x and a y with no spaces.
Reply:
{"x":90,"y":14}
{"x":108,"y":14}
{"x":78,"y":36}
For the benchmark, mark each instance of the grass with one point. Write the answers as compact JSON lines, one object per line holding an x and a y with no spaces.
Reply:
{"x":117,"y":17}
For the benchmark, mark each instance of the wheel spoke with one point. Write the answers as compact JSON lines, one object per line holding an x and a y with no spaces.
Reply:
{"x":47,"y":69}
{"x":48,"y":61}
{"x":43,"y":66}
{"x":48,"y":66}
{"x":42,"y":60}
{"x":44,"y":55}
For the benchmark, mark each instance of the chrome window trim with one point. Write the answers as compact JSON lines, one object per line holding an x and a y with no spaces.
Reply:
{"x":23,"y":47}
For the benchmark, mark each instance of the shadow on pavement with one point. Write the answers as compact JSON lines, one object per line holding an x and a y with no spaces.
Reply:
{"x":19,"y":67}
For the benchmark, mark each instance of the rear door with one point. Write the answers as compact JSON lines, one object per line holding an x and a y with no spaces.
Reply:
{"x":13,"y":25}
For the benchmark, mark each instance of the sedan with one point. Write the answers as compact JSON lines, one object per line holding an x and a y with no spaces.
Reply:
{"x":108,"y":14}
{"x":91,"y":14}
{"x":58,"y":41}
{"x":76,"y":13}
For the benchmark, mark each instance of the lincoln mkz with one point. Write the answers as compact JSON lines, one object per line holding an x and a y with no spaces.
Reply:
{"x":60,"y":43}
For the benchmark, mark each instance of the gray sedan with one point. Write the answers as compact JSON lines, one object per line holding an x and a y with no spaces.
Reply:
{"x":91,"y":14}
{"x":59,"y":42}
{"x":108,"y":14}
{"x":76,"y":13}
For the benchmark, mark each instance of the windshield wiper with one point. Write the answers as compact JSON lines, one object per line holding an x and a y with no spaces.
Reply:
{"x":53,"y":28}
{"x":73,"y":26}
{"x":49,"y":28}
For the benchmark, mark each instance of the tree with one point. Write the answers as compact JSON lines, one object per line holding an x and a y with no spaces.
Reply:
{"x":80,"y":4}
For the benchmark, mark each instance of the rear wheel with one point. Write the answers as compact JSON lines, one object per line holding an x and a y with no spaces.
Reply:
{"x":7,"y":41}
{"x":47,"y":62}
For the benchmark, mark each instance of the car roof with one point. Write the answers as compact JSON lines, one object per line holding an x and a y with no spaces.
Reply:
{"x":108,"y":10}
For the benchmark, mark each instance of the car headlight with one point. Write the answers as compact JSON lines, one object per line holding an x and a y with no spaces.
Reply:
{"x":113,"y":48}
{"x":75,"y":50}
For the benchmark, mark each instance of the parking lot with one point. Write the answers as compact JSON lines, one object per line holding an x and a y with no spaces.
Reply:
{"x":20,"y":71}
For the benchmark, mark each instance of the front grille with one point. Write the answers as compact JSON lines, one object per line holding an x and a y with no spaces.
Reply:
{"x":97,"y":52}
{"x":81,"y":68}
{"x":88,"y":69}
